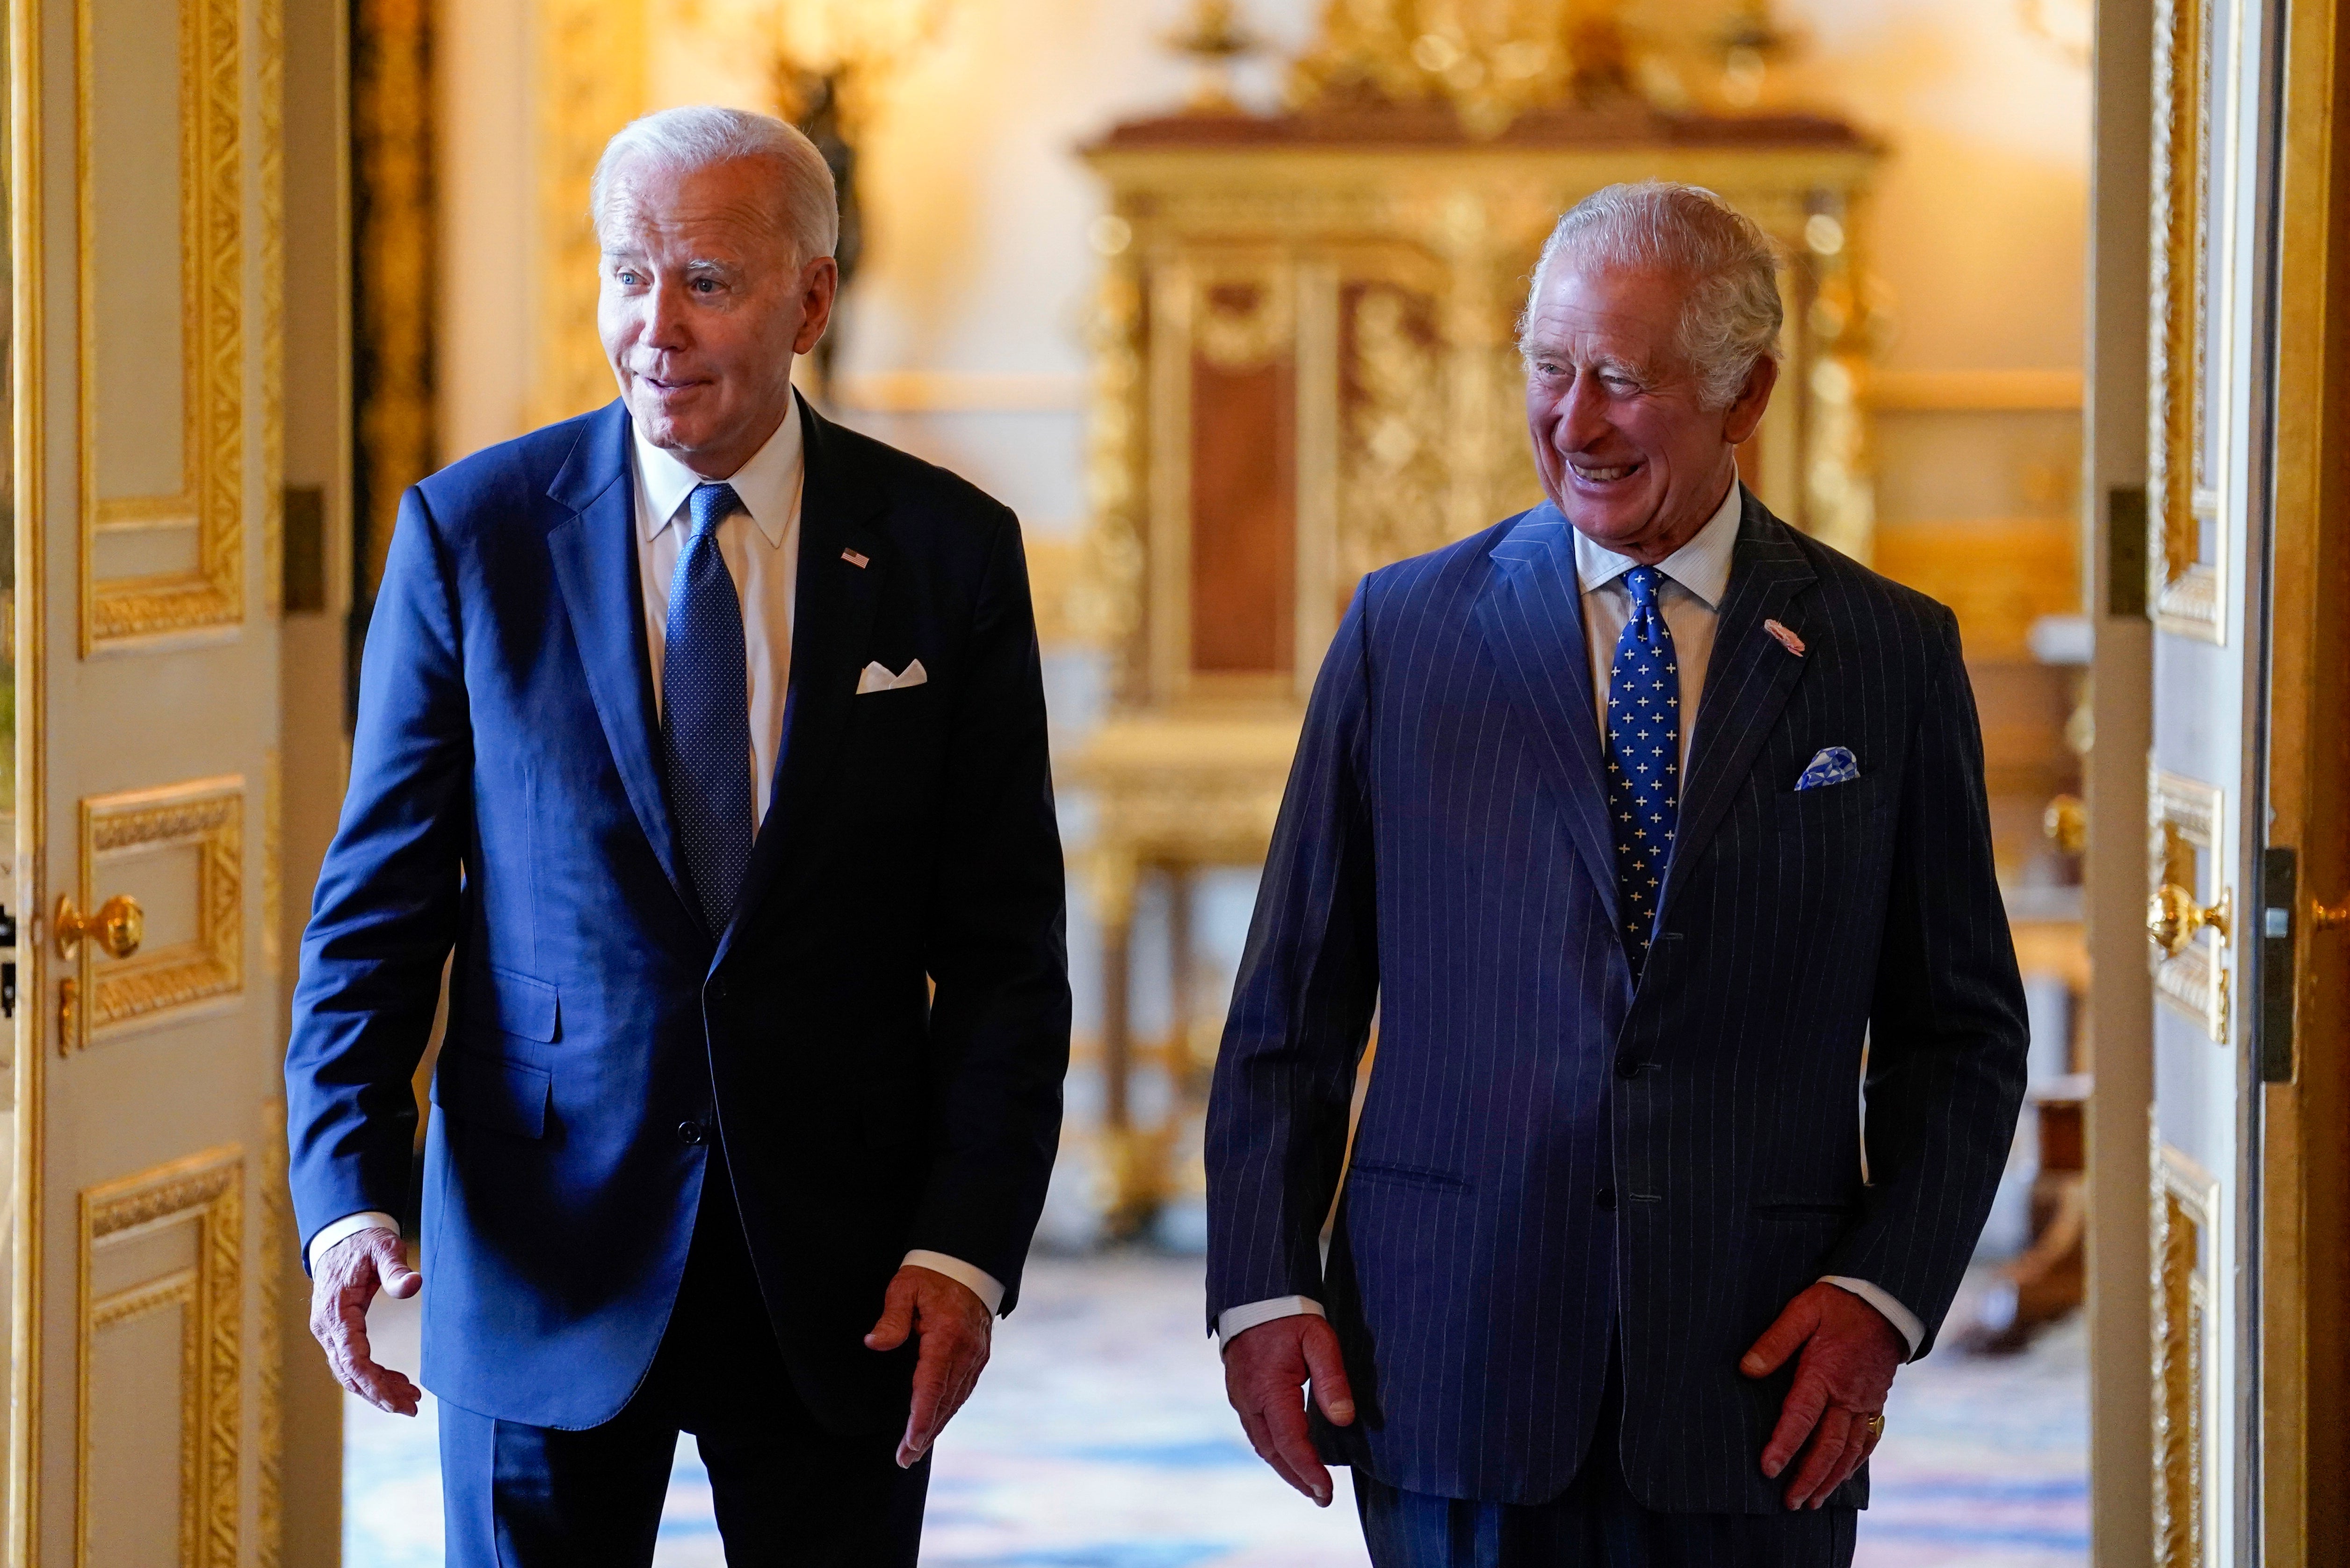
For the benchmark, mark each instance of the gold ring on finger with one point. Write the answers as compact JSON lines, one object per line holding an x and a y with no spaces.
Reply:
{"x":1875,"y":1425}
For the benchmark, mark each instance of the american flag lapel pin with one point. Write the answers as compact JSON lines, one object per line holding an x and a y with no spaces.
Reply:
{"x":860,"y":563}
{"x":1787,"y":640}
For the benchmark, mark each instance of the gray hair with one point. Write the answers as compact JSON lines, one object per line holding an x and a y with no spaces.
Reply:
{"x":685,"y":141}
{"x":1730,"y":320}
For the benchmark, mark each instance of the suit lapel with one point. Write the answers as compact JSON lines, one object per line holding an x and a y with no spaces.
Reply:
{"x":832,"y":620}
{"x":1531,"y":614}
{"x":1748,"y":680}
{"x":595,"y":554}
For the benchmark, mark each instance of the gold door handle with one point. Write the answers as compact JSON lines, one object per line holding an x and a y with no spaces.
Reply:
{"x":117,"y":926}
{"x":2173,"y":916}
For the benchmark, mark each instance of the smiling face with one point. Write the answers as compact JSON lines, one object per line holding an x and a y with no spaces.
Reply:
{"x":702,"y":308}
{"x":1627,"y":448}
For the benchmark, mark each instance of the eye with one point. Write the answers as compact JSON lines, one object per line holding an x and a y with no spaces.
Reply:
{"x":628,"y":275}
{"x":704,"y":286}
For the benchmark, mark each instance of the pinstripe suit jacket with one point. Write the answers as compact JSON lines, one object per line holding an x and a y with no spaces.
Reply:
{"x":1547,"y":1153}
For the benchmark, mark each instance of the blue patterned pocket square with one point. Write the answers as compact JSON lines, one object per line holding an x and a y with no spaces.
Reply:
{"x":1833,"y":765}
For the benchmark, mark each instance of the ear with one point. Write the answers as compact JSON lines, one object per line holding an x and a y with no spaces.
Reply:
{"x":1745,"y":414}
{"x":819,"y":285}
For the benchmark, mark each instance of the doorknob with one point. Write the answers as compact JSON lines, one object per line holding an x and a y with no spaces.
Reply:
{"x":117,"y":926}
{"x":2173,"y":916}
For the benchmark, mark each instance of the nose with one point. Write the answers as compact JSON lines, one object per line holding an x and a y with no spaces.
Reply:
{"x":1582,"y":420}
{"x":664,"y":317}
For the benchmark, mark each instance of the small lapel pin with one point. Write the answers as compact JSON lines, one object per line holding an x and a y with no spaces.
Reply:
{"x":1787,"y":640}
{"x":859,"y":562}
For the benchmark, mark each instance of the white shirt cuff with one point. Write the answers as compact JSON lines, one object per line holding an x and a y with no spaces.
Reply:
{"x":348,"y":1226}
{"x":978,"y":1282}
{"x":1899,"y":1316}
{"x":1234,"y":1322}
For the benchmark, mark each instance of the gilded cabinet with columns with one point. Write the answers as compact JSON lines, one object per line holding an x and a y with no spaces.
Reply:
{"x":1305,"y":367}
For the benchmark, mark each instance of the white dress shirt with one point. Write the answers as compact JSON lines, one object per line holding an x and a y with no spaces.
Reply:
{"x":1696,"y":578}
{"x":760,"y":545}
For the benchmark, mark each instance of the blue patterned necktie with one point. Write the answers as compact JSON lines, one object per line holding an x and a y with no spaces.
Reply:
{"x":1644,"y":756}
{"x":706,"y":713}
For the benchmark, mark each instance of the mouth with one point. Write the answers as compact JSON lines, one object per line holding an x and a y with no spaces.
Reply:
{"x":666,"y":388}
{"x":1593,"y":473}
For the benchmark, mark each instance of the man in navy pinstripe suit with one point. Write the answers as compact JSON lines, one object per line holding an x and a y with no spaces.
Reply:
{"x":1613,"y":1281}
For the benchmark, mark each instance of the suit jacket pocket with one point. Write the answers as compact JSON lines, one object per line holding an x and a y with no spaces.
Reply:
{"x":517,"y":1003}
{"x":1418,"y":1176}
{"x":493,"y":1091}
{"x":1852,"y":795}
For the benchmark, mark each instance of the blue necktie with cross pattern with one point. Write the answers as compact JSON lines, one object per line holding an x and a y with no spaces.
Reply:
{"x":1644,"y":756}
{"x":706,"y":713}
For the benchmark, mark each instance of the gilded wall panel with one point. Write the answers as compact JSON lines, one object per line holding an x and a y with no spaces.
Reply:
{"x":2186,"y":452}
{"x":162,"y":261}
{"x":2184,"y":869}
{"x":2186,"y":1292}
{"x":161,"y":1261}
{"x":180,"y":849}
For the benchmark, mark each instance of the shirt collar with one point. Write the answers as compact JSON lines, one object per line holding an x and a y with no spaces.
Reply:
{"x":768,"y":485}
{"x":1701,"y":566}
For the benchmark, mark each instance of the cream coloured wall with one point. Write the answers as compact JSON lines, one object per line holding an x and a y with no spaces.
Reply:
{"x":485,"y":177}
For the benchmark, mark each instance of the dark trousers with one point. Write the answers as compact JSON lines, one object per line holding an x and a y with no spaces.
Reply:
{"x":1595,"y":1523}
{"x":787,"y":1493}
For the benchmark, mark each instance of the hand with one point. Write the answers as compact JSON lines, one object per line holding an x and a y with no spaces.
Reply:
{"x":1264,"y":1369}
{"x":955,"y":1328}
{"x":344,"y":1281}
{"x":1850,"y":1353}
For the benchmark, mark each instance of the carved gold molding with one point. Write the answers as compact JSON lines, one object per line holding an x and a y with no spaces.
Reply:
{"x":207,"y":1192}
{"x":2184,"y":828}
{"x":2185,"y":460}
{"x":273,"y":861}
{"x":173,"y":607}
{"x":2186,"y":1297}
{"x":159,"y":985}
{"x":278,"y":1244}
{"x":269,"y":175}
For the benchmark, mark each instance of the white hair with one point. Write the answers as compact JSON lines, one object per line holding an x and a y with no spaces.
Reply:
{"x":685,"y":140}
{"x":1731,"y":319}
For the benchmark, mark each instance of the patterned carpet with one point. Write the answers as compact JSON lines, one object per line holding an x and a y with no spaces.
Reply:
{"x":1099,"y":1439}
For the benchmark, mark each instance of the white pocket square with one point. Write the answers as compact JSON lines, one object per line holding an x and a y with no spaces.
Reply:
{"x":877,"y":677}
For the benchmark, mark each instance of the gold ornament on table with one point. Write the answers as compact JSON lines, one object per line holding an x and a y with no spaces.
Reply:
{"x":1215,"y":39}
{"x":1491,"y":60}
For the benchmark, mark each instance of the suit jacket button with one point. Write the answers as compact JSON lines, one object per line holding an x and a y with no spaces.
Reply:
{"x":688,"y":1133}
{"x":1628,"y":1068}
{"x":1605,"y":1197}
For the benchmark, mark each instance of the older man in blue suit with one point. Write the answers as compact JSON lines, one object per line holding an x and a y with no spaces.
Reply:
{"x":711,"y":736}
{"x":1633,"y":818}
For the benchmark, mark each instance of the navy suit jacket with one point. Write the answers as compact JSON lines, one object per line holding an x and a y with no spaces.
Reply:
{"x":1547,"y":1154}
{"x":506,"y":800}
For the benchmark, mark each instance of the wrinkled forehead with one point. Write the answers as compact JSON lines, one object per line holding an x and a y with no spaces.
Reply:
{"x":1598,"y":312}
{"x":727,"y":210}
